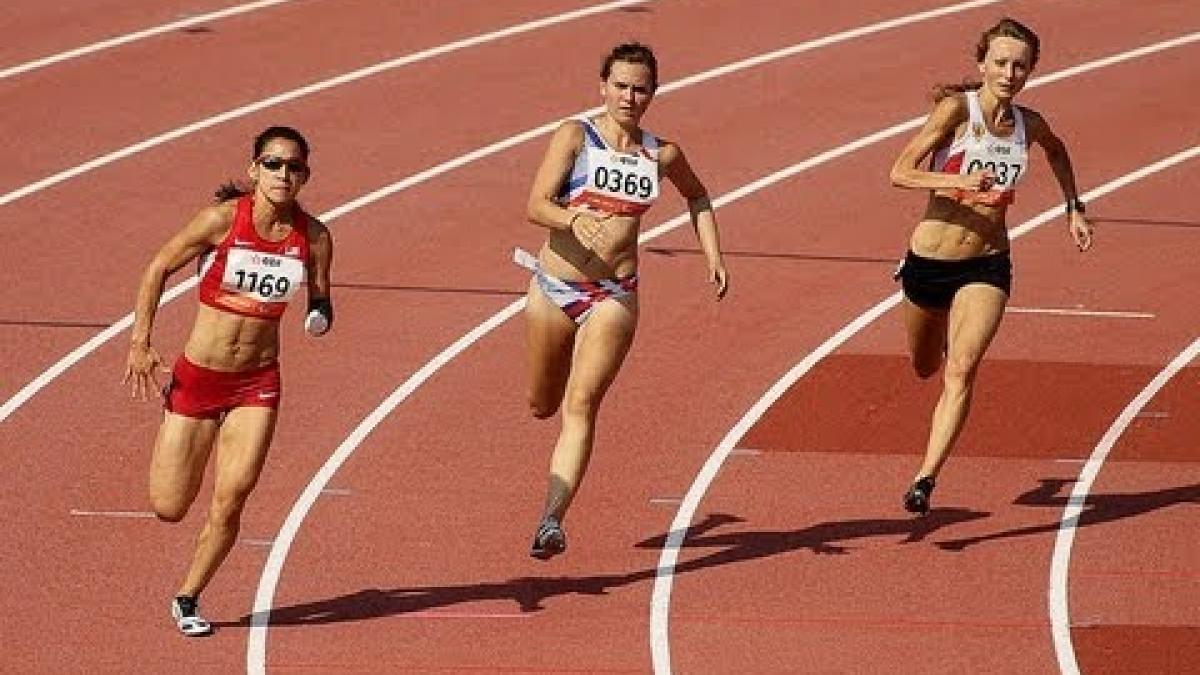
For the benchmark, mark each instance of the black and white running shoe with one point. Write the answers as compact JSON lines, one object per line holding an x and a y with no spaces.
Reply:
{"x":916,"y":500}
{"x":549,"y":540}
{"x":186,"y":612}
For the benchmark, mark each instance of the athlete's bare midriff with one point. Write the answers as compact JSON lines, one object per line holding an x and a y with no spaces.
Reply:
{"x":565,"y":257}
{"x":955,"y":230}
{"x":230,"y":342}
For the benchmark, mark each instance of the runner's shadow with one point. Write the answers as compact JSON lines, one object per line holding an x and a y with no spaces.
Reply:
{"x":529,"y":593}
{"x":1100,"y":508}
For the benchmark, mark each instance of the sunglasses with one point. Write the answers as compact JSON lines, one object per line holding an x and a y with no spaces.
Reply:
{"x":276,"y":163}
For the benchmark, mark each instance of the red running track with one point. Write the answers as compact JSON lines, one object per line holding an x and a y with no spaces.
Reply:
{"x":407,"y":565}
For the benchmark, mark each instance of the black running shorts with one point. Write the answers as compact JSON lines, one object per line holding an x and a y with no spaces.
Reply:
{"x":931,"y":283}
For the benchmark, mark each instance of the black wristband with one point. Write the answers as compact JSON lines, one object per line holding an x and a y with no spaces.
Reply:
{"x":322,"y":305}
{"x":1075,"y":205}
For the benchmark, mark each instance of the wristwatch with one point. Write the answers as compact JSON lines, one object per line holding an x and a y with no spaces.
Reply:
{"x":1075,"y":205}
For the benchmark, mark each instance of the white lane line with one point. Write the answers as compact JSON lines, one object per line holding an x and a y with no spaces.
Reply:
{"x":664,"y":578}
{"x":256,"y":641}
{"x":79,"y":353}
{"x":138,"y":35}
{"x":1059,"y":608}
{"x":111,"y":514}
{"x":314,"y":88}
{"x":1095,"y":313}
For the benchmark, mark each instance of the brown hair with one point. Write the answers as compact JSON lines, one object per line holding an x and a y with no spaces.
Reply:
{"x":1006,"y":27}
{"x":631,"y":52}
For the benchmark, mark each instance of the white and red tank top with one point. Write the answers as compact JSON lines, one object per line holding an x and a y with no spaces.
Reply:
{"x":607,"y":180}
{"x":251,"y":276}
{"x":1007,"y":158}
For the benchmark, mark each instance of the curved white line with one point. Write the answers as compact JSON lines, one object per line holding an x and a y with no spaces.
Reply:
{"x":273,"y":568}
{"x":316,"y":87}
{"x":137,"y":35}
{"x":664,"y":577}
{"x":82,"y":351}
{"x":41,"y":381}
{"x":256,"y":642}
{"x":1060,"y":564}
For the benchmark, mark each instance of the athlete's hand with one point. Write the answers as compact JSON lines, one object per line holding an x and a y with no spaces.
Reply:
{"x":979,"y":181}
{"x":141,"y":370}
{"x":589,"y":229}
{"x":1081,"y":230}
{"x":718,"y":276}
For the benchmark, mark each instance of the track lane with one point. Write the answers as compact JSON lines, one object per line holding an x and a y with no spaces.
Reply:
{"x":393,"y":601}
{"x":121,"y":431}
{"x":845,"y":445}
{"x":362,"y":149}
{"x":166,"y":84}
{"x":686,"y":268}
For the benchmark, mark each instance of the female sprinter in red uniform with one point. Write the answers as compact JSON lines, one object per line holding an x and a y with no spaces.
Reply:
{"x":596,"y":180}
{"x":957,"y":273}
{"x":260,"y":247}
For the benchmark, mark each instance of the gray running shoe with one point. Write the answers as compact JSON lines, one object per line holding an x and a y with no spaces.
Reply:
{"x":549,"y":541}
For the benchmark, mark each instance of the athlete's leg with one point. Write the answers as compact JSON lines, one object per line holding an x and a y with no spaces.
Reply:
{"x":926,"y":333}
{"x":549,"y":338}
{"x":242,"y":447}
{"x":600,"y":349}
{"x":177,"y":463}
{"x":974,"y":318}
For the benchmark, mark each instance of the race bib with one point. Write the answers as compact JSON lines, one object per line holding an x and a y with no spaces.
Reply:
{"x":631,"y":179}
{"x":265,"y":277}
{"x":1005,"y":161}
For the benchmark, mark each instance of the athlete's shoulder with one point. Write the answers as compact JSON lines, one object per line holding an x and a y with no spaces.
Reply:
{"x":316,"y":228}
{"x":952,"y":105}
{"x":1037,"y":129}
{"x":1031,"y":115}
{"x":219,"y":216}
{"x":570,"y":129}
{"x":668,"y":150}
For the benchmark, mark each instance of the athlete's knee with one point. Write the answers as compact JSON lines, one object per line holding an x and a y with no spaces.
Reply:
{"x":925,"y":368}
{"x":961,"y":369}
{"x":542,"y":412}
{"x":227,"y":506}
{"x":168,"y":510}
{"x":541,"y":406}
{"x":582,"y":402}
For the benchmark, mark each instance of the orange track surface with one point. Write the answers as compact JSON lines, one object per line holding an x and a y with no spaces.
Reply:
{"x":801,"y":559}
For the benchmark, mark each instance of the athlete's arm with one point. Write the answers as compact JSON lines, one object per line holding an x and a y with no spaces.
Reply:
{"x":1059,"y":159}
{"x":543,"y":208}
{"x":319,"y":285}
{"x":675,"y":167}
{"x":204,"y":231}
{"x":939,"y":128}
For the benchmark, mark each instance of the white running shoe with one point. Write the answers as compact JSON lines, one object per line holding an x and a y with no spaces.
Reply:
{"x":186,"y":612}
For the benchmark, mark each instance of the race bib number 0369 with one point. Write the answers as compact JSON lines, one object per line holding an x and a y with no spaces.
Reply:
{"x":631,"y":178}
